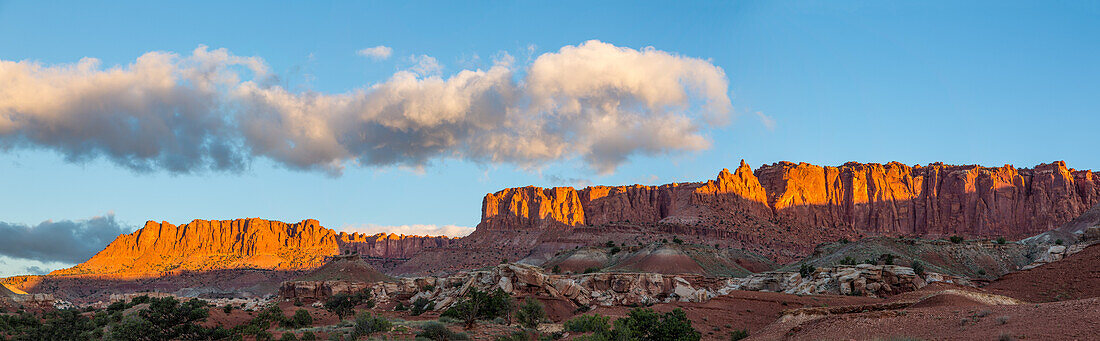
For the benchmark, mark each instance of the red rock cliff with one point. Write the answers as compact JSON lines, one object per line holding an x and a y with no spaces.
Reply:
{"x":243,"y":243}
{"x":888,"y":199}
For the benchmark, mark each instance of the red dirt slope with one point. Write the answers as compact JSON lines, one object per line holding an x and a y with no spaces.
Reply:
{"x":1076,"y":277}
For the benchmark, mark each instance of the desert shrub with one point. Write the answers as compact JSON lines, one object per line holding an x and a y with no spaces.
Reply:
{"x":139,"y":300}
{"x":531,"y":313}
{"x":228,"y":308}
{"x":956,"y":239}
{"x":308,"y":336}
{"x":166,"y":319}
{"x":366,"y":324}
{"x":844,"y":241}
{"x":67,"y":324}
{"x":981,"y":272}
{"x":274,"y":314}
{"x":288,"y":336}
{"x":499,"y":305}
{"x":301,"y":319}
{"x":806,"y":270}
{"x":588,"y":324}
{"x":609,"y":244}
{"x":519,"y":335}
{"x":469,"y":309}
{"x":118,"y":306}
{"x":1001,"y":240}
{"x":677,"y":240}
{"x":429,"y":288}
{"x":615,"y":249}
{"x":591,"y":270}
{"x":918,"y":268}
{"x":848,"y":260}
{"x":1058,"y":242}
{"x":343,"y":305}
{"x":556,"y":269}
{"x":642,"y":324}
{"x":420,"y":306}
{"x":887,"y":258}
{"x":438,"y":332}
{"x":646,"y":324}
{"x":400,"y":307}
{"x":739,"y":334}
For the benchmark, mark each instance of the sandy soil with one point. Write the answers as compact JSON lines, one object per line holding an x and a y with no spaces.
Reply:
{"x":962,"y":320}
{"x":1076,"y":277}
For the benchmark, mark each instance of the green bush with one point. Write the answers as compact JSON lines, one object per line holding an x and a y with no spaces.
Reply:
{"x":288,"y":336}
{"x":366,"y":324}
{"x":1001,"y":240}
{"x":531,"y":313}
{"x":164,"y":319}
{"x":956,"y":239}
{"x":677,"y":240}
{"x":438,"y":332}
{"x":588,"y":324}
{"x":468,"y":309}
{"x":591,"y":270}
{"x":806,"y":270}
{"x":918,"y":268}
{"x":420,"y":306}
{"x":646,"y":324}
{"x":887,"y":259}
{"x":1058,"y":242}
{"x":739,"y":334}
{"x":519,"y":335}
{"x":640,"y":324}
{"x":615,"y":249}
{"x":228,"y":308}
{"x":343,"y":305}
{"x":609,"y":244}
{"x":301,"y":319}
{"x":308,"y":336}
{"x":848,"y":260}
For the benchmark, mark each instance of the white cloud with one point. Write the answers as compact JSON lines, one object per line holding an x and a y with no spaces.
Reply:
{"x":416,"y":229}
{"x":766,"y":120}
{"x":379,"y":52}
{"x":594,"y":102}
{"x":10,"y":266}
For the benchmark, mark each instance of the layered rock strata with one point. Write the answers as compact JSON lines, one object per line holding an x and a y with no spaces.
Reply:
{"x":625,"y":289}
{"x":855,"y":198}
{"x":206,"y":245}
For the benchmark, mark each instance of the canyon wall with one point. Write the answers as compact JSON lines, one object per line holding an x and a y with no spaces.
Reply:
{"x":205,"y":245}
{"x":855,"y":198}
{"x":389,"y":245}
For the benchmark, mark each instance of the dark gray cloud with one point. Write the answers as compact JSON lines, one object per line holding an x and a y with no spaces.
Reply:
{"x":36,"y":270}
{"x":59,"y":241}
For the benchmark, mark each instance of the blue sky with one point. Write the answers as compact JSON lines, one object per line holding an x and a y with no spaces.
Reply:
{"x":826,"y":82}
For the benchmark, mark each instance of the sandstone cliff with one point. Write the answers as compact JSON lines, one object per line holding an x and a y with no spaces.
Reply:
{"x":853,"y":199}
{"x":203,"y":245}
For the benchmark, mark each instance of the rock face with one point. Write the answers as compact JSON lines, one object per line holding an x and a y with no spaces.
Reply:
{"x":203,"y":245}
{"x":853,"y":199}
{"x":389,"y":245}
{"x":620,"y":288}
